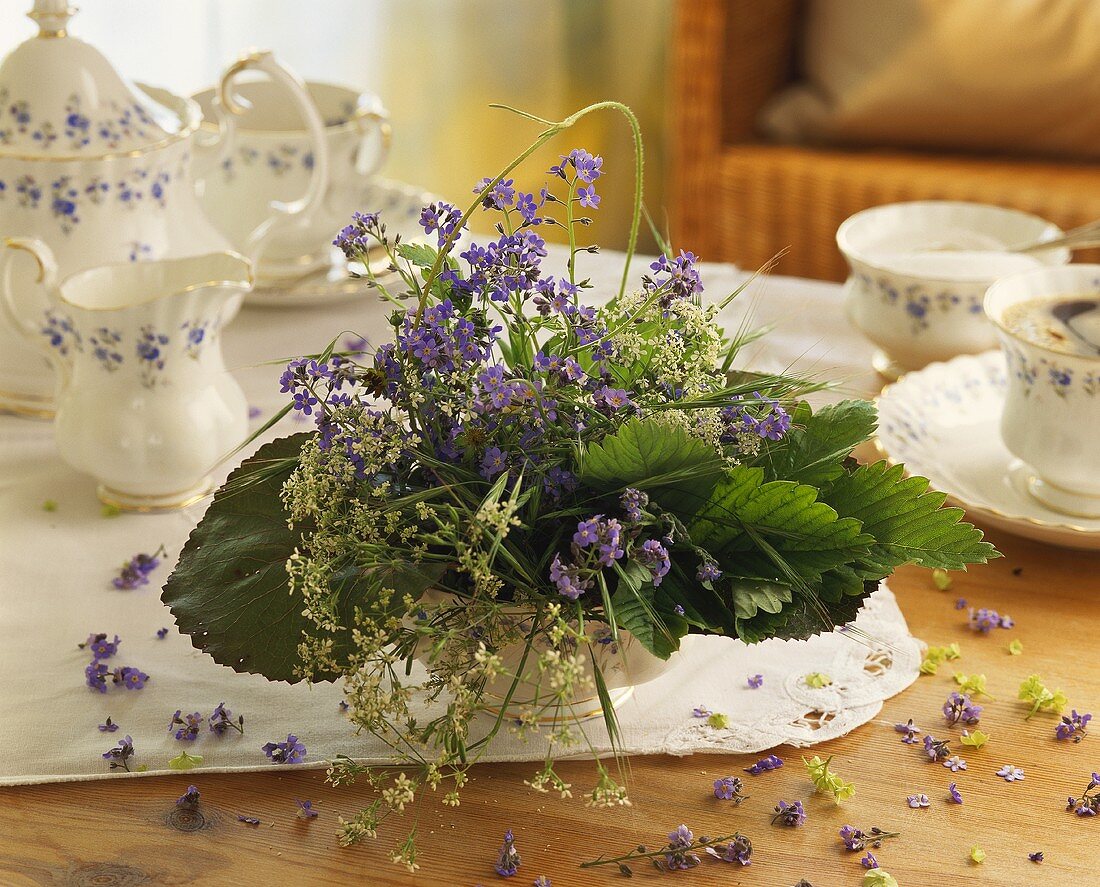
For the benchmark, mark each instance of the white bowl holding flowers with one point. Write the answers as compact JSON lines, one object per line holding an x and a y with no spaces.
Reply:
{"x":536,"y":498}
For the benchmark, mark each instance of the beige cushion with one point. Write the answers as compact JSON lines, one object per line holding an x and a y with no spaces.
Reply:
{"x":1006,"y":76}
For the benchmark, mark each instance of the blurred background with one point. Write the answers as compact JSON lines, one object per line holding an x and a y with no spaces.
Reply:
{"x":437,"y":64}
{"x":767,"y":122}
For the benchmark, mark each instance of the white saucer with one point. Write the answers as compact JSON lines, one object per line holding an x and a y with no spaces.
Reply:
{"x":943,"y":422}
{"x":400,"y":205}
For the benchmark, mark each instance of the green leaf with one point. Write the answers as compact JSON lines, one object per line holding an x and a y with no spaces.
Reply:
{"x":230,"y":589}
{"x":749,"y":597}
{"x":800,"y":619}
{"x":419,"y":254}
{"x":808,"y":535}
{"x":906,"y":520}
{"x":635,"y":612}
{"x":814,"y":451}
{"x":678,"y":470}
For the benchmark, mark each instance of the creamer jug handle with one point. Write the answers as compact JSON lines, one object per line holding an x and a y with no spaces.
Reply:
{"x":21,"y":316}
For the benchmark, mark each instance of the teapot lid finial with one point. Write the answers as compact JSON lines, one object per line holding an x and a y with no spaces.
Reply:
{"x":52,"y":17}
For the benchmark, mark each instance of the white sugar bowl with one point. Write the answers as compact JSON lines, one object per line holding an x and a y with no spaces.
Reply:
{"x":919,"y":272}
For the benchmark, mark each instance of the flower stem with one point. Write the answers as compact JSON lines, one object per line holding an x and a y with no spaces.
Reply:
{"x":701,"y":844}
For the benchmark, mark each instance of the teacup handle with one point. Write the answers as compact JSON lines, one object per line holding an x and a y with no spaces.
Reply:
{"x":369,"y":119}
{"x":47,"y":277}
{"x":285,"y":214}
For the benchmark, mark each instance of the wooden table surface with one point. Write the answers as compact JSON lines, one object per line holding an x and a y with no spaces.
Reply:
{"x":128,"y":832}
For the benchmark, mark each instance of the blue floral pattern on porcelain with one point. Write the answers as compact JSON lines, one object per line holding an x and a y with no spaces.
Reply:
{"x":68,"y":197}
{"x":1047,"y":373}
{"x":107,"y":346}
{"x":919,"y":301}
{"x":77,"y":131}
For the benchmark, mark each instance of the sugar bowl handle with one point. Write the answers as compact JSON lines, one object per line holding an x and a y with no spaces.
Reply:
{"x":285,"y":215}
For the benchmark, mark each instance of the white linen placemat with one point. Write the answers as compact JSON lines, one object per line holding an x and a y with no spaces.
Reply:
{"x":56,"y":567}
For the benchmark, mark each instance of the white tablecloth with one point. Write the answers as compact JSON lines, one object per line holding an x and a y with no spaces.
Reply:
{"x":56,"y":567}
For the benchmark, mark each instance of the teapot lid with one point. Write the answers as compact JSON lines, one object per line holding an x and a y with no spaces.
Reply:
{"x":61,"y":99}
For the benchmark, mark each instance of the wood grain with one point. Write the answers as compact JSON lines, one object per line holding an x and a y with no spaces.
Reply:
{"x":124,"y":833}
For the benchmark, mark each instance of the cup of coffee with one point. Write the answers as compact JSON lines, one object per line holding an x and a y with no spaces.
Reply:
{"x":270,"y":160}
{"x":1048,"y":322}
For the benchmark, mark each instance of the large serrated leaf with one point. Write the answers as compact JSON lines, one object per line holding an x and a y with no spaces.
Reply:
{"x":813,"y":453}
{"x":744,"y":512}
{"x":229,"y":591}
{"x":906,"y":520}
{"x":801,"y":619}
{"x":750,"y":597}
{"x":676,"y":469}
{"x":635,"y":612}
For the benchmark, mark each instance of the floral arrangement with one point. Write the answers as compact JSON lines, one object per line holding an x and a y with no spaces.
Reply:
{"x":527,"y":489}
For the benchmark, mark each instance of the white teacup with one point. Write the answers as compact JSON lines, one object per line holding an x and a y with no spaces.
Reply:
{"x":270,"y":160}
{"x":920,"y":271}
{"x":1051,"y":418}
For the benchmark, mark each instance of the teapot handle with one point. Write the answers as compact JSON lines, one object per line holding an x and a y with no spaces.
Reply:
{"x":284,"y":214}
{"x":47,"y":277}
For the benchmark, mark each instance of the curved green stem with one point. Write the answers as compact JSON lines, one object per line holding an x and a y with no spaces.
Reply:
{"x":552,"y":129}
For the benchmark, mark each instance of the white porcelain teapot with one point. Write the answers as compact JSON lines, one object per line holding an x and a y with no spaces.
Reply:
{"x":101,"y":170}
{"x":145,"y":403}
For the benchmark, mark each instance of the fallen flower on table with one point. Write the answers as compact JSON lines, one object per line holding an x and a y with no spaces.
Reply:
{"x":248,"y":820}
{"x":100,"y":647}
{"x":542,"y":881}
{"x":791,"y":815}
{"x":936,"y":655}
{"x":162,"y":633}
{"x":108,"y":726}
{"x":953,"y":791}
{"x":135,"y":572}
{"x":910,"y":730}
{"x":106,"y":510}
{"x":879,"y":878}
{"x":917,"y":801}
{"x":972,"y":684}
{"x":508,"y":861}
{"x":305,"y":809}
{"x":1037,"y":856}
{"x":977,"y":854}
{"x":955,"y":764}
{"x":1015,"y":647}
{"x":869,"y":861}
{"x":936,"y":749}
{"x":1073,"y":726}
{"x":189,"y":798}
{"x":856,"y":839}
{"x":817,"y":681}
{"x":960,"y":603}
{"x":120,"y":755}
{"x":718,"y":720}
{"x":1010,"y":773}
{"x":960,"y":707}
{"x":729,"y":788}
{"x":49,"y":505}
{"x":221,"y":721}
{"x":186,"y":727}
{"x":130,"y":678}
{"x":975,"y":739}
{"x":1089,"y":802}
{"x":680,"y":852}
{"x":185,"y":761}
{"x":1042,"y":699}
{"x":701,"y":711}
{"x":825,"y":780}
{"x":771,"y":762}
{"x":983,"y":620}
{"x":941,"y":579}
{"x":290,"y":752}
{"x":755,"y":681}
